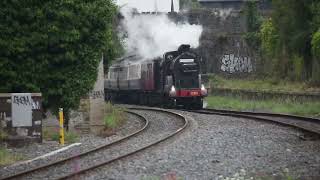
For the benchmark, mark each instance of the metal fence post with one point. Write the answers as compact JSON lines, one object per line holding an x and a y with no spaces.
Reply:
{"x":61,"y":126}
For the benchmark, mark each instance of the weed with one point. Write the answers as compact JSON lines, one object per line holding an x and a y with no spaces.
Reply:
{"x":7,"y":158}
{"x":71,"y":137}
{"x":114,"y":116}
{"x":3,"y":135}
{"x":53,"y":134}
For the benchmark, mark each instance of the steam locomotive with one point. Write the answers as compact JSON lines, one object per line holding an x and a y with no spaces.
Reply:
{"x":171,"y":81}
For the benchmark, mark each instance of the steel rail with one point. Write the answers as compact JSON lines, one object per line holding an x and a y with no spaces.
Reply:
{"x":146,"y":124}
{"x":288,"y":120}
{"x":186,"y":123}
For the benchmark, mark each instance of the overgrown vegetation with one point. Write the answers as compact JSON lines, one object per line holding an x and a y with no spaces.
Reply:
{"x":114,"y":116}
{"x":3,"y":135}
{"x":277,"y":106}
{"x":51,"y":134}
{"x":254,"y":21}
{"x":288,"y":40}
{"x":189,"y":4}
{"x":7,"y":158}
{"x":54,"y":47}
{"x":266,"y":84}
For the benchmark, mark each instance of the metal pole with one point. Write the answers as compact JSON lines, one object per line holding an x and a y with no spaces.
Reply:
{"x":61,"y":126}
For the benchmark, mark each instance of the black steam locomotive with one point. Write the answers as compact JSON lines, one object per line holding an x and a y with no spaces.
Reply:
{"x":170,"y":81}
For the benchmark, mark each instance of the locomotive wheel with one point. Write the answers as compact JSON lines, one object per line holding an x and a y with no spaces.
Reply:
{"x":112,"y":98}
{"x":170,"y":103}
{"x":198,"y":104}
{"x":143,"y":99}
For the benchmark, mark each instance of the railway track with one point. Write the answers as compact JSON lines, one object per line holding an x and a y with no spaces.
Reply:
{"x":311,"y":126}
{"x":101,"y":155}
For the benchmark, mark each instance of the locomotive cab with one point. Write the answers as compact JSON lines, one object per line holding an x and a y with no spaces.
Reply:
{"x":183,"y":79}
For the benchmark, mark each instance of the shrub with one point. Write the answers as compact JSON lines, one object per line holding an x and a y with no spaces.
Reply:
{"x":316,"y":44}
{"x":297,"y":68}
{"x":269,"y":38}
{"x":114,"y":116}
{"x":7,"y":158}
{"x":54,"y":47}
{"x":316,"y":60}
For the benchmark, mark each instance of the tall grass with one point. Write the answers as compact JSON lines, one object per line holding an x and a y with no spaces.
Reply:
{"x":52,"y":134}
{"x":261,"y":84}
{"x":3,"y":135}
{"x":276,"y":106}
{"x":7,"y":158}
{"x":114,"y":116}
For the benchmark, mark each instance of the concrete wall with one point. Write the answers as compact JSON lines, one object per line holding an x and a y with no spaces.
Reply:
{"x":233,"y":4}
{"x":97,"y":104}
{"x":222,"y":45}
{"x":150,"y":5}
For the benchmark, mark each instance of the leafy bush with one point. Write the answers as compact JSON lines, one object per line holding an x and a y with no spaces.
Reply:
{"x":316,"y":44}
{"x":253,"y":24}
{"x":316,"y":60}
{"x":268,"y":36}
{"x":297,"y":68}
{"x":54,"y":47}
{"x":189,"y":4}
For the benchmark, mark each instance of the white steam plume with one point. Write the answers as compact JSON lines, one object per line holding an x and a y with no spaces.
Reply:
{"x":152,"y":35}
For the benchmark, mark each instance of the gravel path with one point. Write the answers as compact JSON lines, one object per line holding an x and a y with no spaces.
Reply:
{"x":87,"y":142}
{"x":216,"y":146}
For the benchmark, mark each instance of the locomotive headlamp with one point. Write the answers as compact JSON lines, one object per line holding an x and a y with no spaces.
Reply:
{"x":172,"y":91}
{"x":204,"y":91}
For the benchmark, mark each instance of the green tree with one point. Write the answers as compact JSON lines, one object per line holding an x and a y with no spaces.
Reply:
{"x":315,"y":43}
{"x":269,"y":37}
{"x":189,"y":4}
{"x":254,"y":20}
{"x":290,"y":19}
{"x":54,"y":47}
{"x":286,"y":38}
{"x":316,"y":61}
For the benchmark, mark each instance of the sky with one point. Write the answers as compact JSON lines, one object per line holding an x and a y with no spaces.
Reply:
{"x":150,"y":5}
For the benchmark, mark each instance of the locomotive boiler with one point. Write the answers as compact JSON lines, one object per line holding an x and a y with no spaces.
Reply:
{"x":171,"y":81}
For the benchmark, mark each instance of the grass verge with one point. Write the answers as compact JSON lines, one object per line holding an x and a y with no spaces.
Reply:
{"x":113,"y":119}
{"x":3,"y":135}
{"x":261,"y":84}
{"x":52,"y":134}
{"x":311,"y":109}
{"x":7,"y":158}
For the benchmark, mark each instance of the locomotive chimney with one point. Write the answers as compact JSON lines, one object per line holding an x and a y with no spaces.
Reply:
{"x":172,"y":7}
{"x":184,"y":48}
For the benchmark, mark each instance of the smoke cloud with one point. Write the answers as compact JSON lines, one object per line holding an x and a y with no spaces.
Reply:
{"x":152,"y":35}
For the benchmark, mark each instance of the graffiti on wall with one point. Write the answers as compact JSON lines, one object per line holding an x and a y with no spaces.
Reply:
{"x":24,"y":100}
{"x":236,"y":64}
{"x":96,"y":94}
